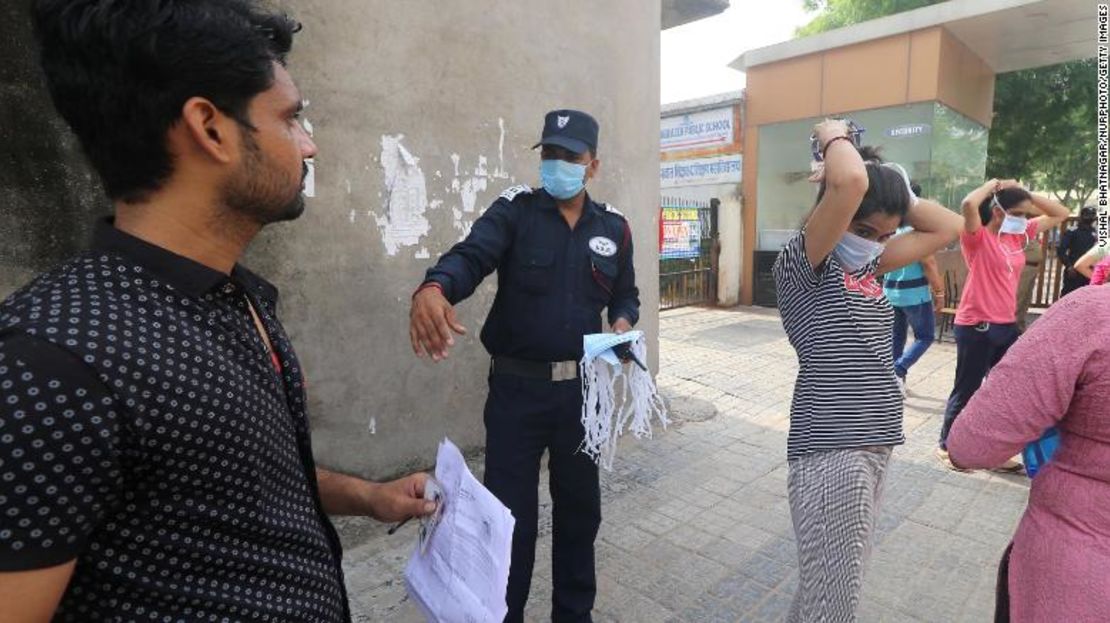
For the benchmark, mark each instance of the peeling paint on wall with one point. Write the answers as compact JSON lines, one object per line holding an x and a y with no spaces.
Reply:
{"x":406,"y":197}
{"x":308,"y":185}
{"x":407,"y":200}
{"x":500,"y":172}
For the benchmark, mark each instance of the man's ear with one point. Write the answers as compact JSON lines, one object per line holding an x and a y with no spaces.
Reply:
{"x":209,"y":130}
{"x":592,"y":168}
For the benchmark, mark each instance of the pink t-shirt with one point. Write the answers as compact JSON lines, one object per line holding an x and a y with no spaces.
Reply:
{"x":994,"y":265}
{"x":1100,"y":272}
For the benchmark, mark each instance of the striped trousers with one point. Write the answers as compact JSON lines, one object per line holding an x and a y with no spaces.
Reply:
{"x":834,"y":505}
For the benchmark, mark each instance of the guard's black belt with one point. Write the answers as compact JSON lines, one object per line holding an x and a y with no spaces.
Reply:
{"x":548,"y":371}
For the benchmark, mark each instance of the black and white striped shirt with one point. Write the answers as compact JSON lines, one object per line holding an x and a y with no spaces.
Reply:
{"x":846,"y":395}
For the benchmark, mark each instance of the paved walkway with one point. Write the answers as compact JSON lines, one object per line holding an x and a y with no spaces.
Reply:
{"x":697,"y":526}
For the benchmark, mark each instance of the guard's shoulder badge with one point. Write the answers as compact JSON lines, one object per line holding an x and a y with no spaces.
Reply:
{"x":610,"y":209}
{"x":513,"y":191}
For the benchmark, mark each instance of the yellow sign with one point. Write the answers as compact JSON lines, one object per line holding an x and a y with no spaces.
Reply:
{"x":680,"y":214}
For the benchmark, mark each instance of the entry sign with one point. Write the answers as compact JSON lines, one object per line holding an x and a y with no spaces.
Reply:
{"x":909,"y":130}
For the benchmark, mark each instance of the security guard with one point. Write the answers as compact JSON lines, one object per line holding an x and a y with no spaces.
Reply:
{"x":1073,"y":244}
{"x":561,"y":258}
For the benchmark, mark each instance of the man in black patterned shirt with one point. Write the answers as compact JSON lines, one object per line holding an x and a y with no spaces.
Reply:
{"x":155,"y":460}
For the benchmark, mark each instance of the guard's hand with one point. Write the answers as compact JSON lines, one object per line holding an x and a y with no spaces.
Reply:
{"x":1004,"y":184}
{"x":431,"y":321}
{"x":621,"y":326}
{"x":400,"y":499}
{"x":938,"y":302}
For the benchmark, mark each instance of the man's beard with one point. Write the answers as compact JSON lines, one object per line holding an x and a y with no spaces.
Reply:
{"x":262,"y":192}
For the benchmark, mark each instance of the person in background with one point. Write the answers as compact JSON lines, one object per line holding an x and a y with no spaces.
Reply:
{"x":1100,"y":272}
{"x":1073,"y":245}
{"x":1034,"y":256}
{"x":997,"y":228}
{"x":846,"y":413}
{"x":1058,"y":567}
{"x":916,"y":292}
{"x":1085,"y":265}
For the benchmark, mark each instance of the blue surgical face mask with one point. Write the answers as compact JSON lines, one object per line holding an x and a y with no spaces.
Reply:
{"x":855,"y":252}
{"x":562,"y":179}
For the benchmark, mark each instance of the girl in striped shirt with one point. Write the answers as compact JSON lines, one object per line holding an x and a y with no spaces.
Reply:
{"x":846,"y":413}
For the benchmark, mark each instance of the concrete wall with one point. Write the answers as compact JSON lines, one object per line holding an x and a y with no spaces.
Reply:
{"x":50,"y":197}
{"x":446,"y":96}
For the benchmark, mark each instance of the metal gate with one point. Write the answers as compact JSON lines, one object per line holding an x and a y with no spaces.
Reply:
{"x":688,"y":252}
{"x":1050,"y":276}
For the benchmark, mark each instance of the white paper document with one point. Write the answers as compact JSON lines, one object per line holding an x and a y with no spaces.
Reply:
{"x":463,"y":570}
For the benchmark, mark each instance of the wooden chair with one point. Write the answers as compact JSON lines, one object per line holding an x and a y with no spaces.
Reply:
{"x":946,"y":318}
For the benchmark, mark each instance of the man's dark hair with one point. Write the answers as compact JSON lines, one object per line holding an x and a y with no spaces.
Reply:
{"x":1007,"y":198}
{"x":886,"y":188}
{"x":120,"y":71}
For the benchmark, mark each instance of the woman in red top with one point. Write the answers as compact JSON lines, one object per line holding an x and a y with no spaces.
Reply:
{"x":998,"y":223}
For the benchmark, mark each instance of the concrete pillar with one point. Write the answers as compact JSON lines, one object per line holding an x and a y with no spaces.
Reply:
{"x":730,"y":226}
{"x":451,"y":97}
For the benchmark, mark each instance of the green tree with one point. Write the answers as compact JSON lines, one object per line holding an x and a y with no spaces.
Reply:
{"x":1044,"y":130}
{"x":833,"y":14}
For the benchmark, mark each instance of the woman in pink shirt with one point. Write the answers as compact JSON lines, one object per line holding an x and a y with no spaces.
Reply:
{"x":997,"y":226}
{"x":1059,"y":565}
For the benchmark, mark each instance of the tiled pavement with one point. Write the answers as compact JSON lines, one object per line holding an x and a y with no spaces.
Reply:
{"x":697,"y":526}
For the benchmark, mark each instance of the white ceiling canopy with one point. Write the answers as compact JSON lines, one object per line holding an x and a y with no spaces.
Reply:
{"x":1007,"y":34}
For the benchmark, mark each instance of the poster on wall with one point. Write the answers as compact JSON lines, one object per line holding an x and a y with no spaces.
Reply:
{"x":681,"y":232}
{"x":699,"y":130}
{"x":699,"y":171}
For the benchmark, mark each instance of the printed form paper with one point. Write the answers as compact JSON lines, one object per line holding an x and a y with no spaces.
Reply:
{"x":462,"y":575}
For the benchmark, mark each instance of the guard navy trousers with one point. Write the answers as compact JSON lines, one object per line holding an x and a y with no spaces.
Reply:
{"x":524,"y":417}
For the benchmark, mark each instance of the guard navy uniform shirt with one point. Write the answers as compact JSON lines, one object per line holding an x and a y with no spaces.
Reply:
{"x":1074,"y":243}
{"x":552,"y":281}
{"x":147,"y":431}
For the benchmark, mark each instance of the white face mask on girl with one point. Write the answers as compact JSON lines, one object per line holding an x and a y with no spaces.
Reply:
{"x":855,"y":252}
{"x":1013,"y":225}
{"x":1010,"y":224}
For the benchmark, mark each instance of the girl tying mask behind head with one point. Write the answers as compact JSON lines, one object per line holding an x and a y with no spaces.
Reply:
{"x":998,"y":224}
{"x":846,"y":414}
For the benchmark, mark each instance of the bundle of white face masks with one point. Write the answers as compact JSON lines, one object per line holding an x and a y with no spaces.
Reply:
{"x":608,"y":411}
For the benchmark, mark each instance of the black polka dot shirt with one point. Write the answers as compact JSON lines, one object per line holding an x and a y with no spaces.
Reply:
{"x":147,"y":432}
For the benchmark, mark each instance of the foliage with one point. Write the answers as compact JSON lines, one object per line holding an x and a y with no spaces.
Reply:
{"x":1044,"y":130}
{"x":835,"y":14}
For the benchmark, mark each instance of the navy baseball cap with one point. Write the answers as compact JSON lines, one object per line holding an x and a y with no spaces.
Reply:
{"x":569,"y":129}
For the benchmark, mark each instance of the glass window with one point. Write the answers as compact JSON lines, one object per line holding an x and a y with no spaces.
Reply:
{"x":942,"y":150}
